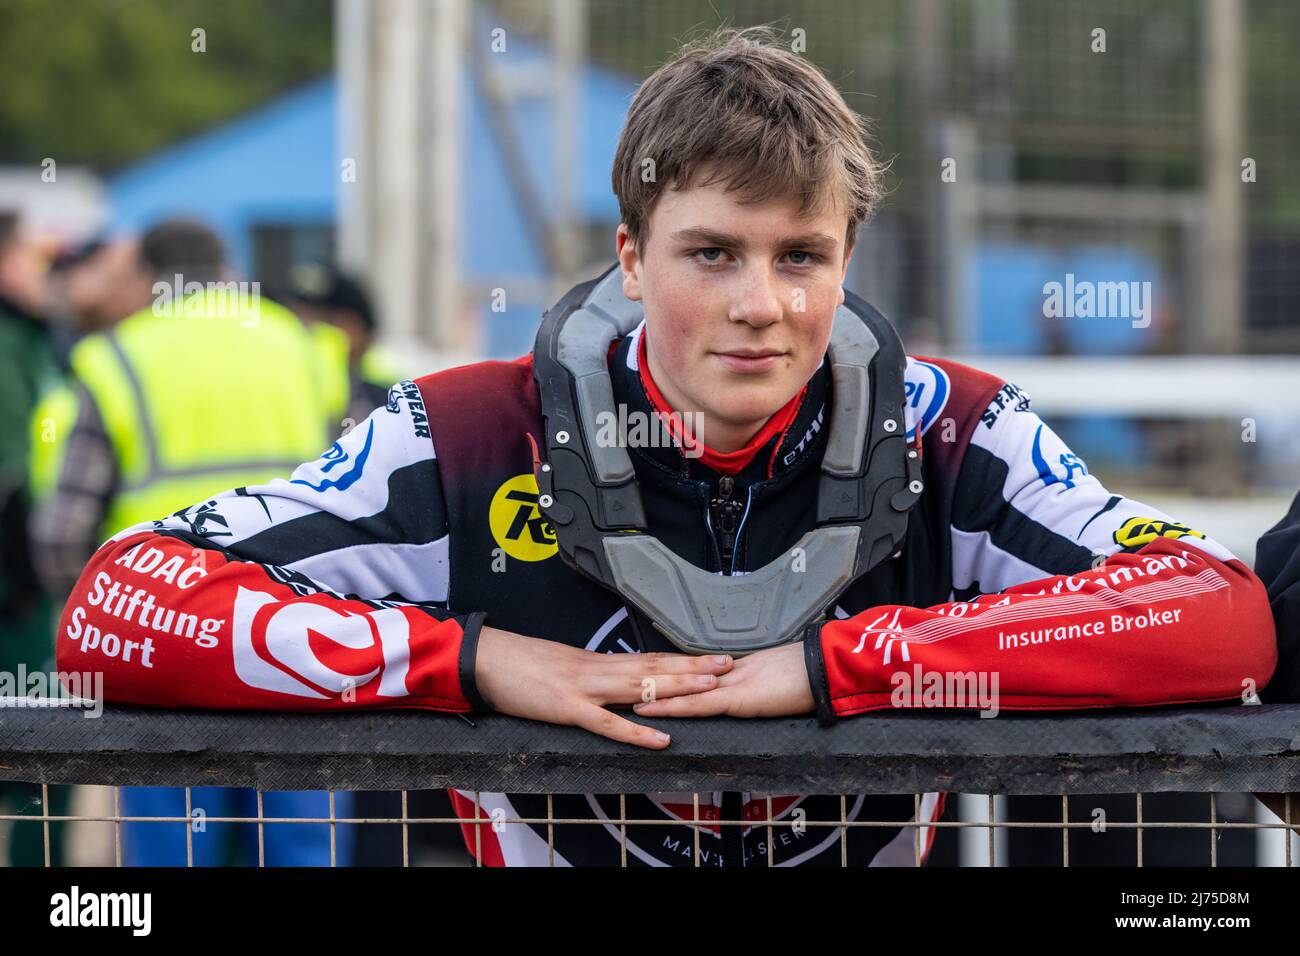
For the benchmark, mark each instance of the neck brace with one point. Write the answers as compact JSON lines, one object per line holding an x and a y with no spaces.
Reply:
{"x":870,"y":479}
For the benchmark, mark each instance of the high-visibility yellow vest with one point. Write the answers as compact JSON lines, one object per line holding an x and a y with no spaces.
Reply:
{"x":215,"y":393}
{"x":52,"y":417}
{"x":380,"y":367}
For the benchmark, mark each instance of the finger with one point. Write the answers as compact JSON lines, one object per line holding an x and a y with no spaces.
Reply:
{"x":657,"y":663}
{"x":633,"y":689}
{"x":605,"y":723}
{"x":711,"y":704}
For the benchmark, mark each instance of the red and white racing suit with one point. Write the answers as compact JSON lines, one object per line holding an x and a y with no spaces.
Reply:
{"x":362,"y":581}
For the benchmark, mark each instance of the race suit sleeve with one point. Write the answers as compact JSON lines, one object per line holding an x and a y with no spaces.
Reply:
{"x":323,"y":591}
{"x":1075,"y":597}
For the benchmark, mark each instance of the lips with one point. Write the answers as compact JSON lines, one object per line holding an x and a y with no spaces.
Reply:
{"x":750,"y":361}
{"x":752,"y":353}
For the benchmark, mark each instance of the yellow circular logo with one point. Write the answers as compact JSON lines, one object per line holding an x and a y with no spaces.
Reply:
{"x":517,"y":524}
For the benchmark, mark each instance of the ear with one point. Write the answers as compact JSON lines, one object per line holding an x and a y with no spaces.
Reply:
{"x":629,"y":260}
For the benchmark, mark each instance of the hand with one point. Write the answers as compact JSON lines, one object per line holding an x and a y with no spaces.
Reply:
{"x":542,"y":680}
{"x":770,"y":683}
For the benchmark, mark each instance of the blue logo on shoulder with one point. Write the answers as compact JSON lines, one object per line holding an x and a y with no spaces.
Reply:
{"x":336,"y":457}
{"x":925,"y":393}
{"x":1068,"y":459}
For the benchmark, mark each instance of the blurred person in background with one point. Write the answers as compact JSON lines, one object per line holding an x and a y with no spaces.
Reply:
{"x":322,"y":294}
{"x":92,"y":287}
{"x":200,"y":388}
{"x":27,"y":368}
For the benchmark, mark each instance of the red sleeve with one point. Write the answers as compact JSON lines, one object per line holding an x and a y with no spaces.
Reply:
{"x":173,"y":625}
{"x":1168,"y":624}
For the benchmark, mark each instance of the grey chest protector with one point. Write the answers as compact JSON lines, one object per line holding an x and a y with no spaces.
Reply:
{"x":870,"y":478}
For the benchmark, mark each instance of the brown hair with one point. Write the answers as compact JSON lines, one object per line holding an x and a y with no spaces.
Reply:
{"x":747,"y":111}
{"x":185,"y":246}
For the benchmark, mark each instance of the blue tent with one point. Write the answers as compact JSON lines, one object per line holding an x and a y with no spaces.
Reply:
{"x":275,"y":171}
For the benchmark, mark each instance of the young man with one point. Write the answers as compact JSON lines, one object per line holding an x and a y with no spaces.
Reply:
{"x":410,"y":567}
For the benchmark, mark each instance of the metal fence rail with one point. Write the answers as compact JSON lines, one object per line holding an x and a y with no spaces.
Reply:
{"x":1214,"y":750}
{"x":1191,"y":750}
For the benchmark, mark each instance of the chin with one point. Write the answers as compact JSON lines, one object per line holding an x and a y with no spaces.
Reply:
{"x":750,"y":403}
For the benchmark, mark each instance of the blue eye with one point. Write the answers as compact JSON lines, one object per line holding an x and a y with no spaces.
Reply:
{"x":708,"y":250}
{"x":808,"y":257}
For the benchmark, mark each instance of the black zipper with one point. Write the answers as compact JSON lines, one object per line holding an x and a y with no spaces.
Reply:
{"x":724,"y":521}
{"x":726,"y":517}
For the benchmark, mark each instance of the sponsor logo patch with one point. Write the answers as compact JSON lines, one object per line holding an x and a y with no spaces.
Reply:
{"x":517,"y":523}
{"x":925,"y":393}
{"x":1139,"y":531}
{"x":341,"y":467}
{"x":414,"y":401}
{"x":1007,"y":395}
{"x":312,"y":650}
{"x":1069,"y":462}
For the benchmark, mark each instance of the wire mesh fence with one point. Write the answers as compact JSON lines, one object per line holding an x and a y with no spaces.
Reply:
{"x":1099,"y":95}
{"x":991,"y":830}
{"x":1137,"y":788}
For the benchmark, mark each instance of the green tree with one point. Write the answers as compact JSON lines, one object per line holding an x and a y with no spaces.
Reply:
{"x":103,"y":82}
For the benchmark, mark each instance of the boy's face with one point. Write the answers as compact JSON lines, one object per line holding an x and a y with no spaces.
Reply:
{"x":739,"y":301}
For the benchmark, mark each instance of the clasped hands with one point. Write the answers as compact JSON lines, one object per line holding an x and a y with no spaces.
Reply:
{"x":542,"y":680}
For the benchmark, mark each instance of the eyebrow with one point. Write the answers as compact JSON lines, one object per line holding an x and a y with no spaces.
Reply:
{"x":705,"y":237}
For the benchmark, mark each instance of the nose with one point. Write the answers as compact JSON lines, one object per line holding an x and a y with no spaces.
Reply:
{"x":758,"y":301}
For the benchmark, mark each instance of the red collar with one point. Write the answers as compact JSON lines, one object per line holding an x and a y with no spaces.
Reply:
{"x":727,"y":463}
